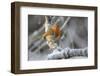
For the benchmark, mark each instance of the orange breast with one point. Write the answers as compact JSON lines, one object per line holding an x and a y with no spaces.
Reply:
{"x":56,"y":30}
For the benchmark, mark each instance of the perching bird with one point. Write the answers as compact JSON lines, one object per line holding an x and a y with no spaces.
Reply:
{"x":53,"y":30}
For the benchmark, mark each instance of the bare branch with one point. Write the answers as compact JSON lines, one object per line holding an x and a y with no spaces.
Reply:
{"x":65,"y":23}
{"x":40,"y":47}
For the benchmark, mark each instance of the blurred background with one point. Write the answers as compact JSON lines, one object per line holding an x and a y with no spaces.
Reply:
{"x":74,"y":34}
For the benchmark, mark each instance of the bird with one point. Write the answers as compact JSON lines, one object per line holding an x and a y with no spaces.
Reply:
{"x":53,"y":30}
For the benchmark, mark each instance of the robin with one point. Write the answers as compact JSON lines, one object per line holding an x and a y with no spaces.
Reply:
{"x":52,"y":35}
